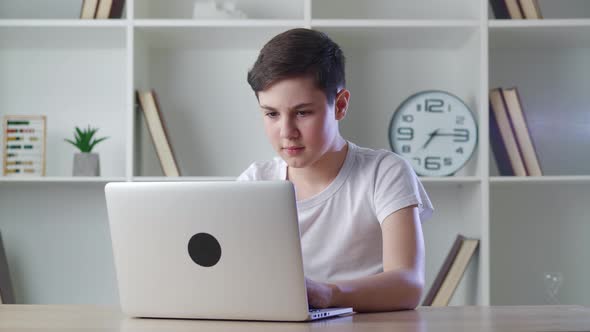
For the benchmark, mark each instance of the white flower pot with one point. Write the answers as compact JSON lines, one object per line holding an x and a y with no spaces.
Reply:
{"x":86,"y":164}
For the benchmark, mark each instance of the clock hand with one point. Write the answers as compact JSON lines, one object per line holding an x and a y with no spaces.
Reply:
{"x":431,"y":136}
{"x":448,"y":134}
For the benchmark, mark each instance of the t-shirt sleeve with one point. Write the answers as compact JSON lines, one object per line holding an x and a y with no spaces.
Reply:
{"x":397,"y":186}
{"x":248,"y":174}
{"x":260,"y":171}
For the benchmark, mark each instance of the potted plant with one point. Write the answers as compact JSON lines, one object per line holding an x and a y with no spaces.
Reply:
{"x":86,"y":163}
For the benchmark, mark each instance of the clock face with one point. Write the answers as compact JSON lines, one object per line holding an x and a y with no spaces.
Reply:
{"x":435,"y":131}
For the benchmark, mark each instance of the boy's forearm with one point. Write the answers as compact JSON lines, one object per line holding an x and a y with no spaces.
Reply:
{"x":386,"y":291}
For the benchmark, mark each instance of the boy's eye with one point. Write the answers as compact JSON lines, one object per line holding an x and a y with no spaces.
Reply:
{"x":271,"y":114}
{"x":303,"y":113}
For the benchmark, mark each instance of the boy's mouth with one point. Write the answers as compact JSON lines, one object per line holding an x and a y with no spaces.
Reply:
{"x":292,"y":150}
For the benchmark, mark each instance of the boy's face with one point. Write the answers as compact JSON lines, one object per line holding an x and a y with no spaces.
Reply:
{"x":298,"y":120}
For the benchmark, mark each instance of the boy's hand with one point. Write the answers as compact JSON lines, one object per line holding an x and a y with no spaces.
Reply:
{"x":319,"y":295}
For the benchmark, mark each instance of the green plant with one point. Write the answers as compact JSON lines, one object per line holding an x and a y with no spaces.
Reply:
{"x":84,"y":139}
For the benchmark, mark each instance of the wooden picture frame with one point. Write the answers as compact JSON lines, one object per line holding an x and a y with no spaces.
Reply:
{"x":24,"y":142}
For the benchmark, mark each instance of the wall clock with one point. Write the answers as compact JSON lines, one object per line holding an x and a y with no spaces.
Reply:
{"x":435,"y":131}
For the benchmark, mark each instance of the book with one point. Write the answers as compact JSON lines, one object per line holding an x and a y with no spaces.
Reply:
{"x":157,"y":128}
{"x":110,"y":9}
{"x":6,"y":293}
{"x":117,"y":9}
{"x":521,"y":130}
{"x":451,"y":272}
{"x":88,"y":10}
{"x":499,"y":8}
{"x":531,"y":9}
{"x":502,"y":139}
{"x":514,"y":9}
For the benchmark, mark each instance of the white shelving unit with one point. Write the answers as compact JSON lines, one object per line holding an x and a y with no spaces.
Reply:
{"x":80,"y":72}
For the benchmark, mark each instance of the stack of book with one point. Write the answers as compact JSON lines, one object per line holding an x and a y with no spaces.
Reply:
{"x":516,"y":9}
{"x":510,"y":137}
{"x":102,"y":9}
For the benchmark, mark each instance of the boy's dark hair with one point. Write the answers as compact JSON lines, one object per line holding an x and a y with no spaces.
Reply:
{"x":298,"y":52}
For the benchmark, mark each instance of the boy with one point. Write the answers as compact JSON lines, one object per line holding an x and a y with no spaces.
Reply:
{"x":360,"y":210}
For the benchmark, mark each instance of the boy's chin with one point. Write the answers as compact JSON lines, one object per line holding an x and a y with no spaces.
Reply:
{"x":295,"y":162}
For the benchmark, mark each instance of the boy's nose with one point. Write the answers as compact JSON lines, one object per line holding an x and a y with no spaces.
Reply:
{"x":289,"y":129}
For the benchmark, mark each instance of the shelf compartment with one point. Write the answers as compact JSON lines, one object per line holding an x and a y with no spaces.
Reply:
{"x":457,"y":210}
{"x":58,"y":231}
{"x":254,"y":9}
{"x":551,"y":81}
{"x":76,"y":77}
{"x":41,"y":9}
{"x":385,"y":65}
{"x":539,"y":34}
{"x":562,"y":9}
{"x":395,"y":9}
{"x":200,"y":79}
{"x":536,"y":229}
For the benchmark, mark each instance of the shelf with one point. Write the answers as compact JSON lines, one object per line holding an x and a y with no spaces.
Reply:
{"x":539,"y":179}
{"x":73,"y":23}
{"x":539,"y":34}
{"x":61,"y":179}
{"x":395,"y":9}
{"x":319,"y":23}
{"x":450,"y":180}
{"x":254,"y":9}
{"x":499,"y":24}
{"x":218,"y":23}
{"x":64,"y":36}
{"x":400,"y":35}
{"x":207,"y":36}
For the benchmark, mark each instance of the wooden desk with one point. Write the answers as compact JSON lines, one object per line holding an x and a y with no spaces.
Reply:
{"x":531,"y":318}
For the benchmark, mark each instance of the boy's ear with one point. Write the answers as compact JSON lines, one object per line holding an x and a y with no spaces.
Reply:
{"x":341,"y":103}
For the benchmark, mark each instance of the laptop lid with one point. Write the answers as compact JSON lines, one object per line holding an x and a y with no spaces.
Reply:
{"x":212,"y":250}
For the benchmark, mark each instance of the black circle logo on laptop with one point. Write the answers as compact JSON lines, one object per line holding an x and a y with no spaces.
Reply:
{"x":204,"y":249}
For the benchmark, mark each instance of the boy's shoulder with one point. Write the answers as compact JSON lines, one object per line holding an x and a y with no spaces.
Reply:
{"x":378,"y":158}
{"x":263,"y":170}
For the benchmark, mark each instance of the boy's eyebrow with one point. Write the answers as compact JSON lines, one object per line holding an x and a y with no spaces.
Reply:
{"x":296,"y":107}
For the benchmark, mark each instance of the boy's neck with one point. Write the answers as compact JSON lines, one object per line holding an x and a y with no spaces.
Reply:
{"x":324,"y":171}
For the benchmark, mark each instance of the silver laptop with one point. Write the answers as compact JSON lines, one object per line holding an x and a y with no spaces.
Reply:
{"x":209,"y":250}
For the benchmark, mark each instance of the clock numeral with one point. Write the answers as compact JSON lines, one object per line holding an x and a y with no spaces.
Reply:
{"x":460,"y":120}
{"x":432,"y":163}
{"x":461,"y":135}
{"x":408,"y":118}
{"x":459,"y":150}
{"x":405,"y":133}
{"x":406,"y":148}
{"x":434,"y":105}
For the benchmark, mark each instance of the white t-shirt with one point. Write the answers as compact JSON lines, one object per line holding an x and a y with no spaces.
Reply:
{"x":341,"y":226}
